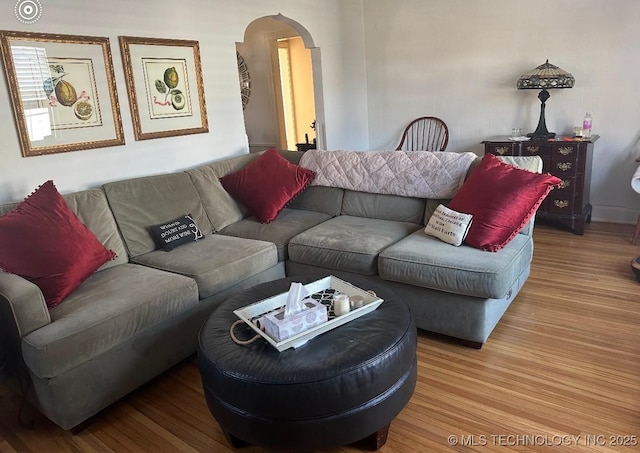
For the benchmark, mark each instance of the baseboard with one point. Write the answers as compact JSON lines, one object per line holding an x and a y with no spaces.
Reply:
{"x":614,"y":214}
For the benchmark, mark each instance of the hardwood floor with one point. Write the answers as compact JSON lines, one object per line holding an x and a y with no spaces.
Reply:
{"x":561,"y":372}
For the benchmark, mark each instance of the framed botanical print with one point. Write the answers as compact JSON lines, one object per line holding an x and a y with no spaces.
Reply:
{"x":164,"y":83}
{"x":62,"y":90}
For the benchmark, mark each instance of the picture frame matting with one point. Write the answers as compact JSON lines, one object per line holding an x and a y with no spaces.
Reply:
{"x":63,"y":91}
{"x":164,"y":85}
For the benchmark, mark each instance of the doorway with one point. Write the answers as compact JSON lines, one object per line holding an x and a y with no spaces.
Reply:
{"x":293,"y":74}
{"x":284,"y":109}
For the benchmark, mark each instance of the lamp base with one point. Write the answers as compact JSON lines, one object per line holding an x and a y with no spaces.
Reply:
{"x":541,"y":132}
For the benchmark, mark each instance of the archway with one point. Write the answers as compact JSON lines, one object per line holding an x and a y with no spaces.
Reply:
{"x":264,"y":112}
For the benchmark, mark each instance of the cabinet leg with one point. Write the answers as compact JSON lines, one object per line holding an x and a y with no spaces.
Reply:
{"x":637,"y":233}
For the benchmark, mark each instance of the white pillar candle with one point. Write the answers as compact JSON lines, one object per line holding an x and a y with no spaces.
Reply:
{"x":341,"y":304}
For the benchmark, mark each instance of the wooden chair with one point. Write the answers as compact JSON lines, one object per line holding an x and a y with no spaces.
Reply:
{"x":427,"y":133}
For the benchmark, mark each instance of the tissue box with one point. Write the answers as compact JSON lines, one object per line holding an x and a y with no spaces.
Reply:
{"x":280,"y":328}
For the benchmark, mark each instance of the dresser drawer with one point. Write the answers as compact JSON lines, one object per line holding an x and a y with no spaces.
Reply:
{"x":558,"y":204}
{"x":565,"y":200}
{"x":568,"y":197}
{"x":562,"y":151}
{"x":567,"y":159}
{"x":535,"y":149}
{"x":501,"y":149}
{"x":565,"y":168}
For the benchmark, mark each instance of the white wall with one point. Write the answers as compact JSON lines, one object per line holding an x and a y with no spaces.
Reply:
{"x":460,"y":60}
{"x":384,"y":62}
{"x":217,"y":25}
{"x":260,"y":115}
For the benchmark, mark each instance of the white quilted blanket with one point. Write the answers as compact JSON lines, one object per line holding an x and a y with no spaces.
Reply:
{"x":419,"y":174}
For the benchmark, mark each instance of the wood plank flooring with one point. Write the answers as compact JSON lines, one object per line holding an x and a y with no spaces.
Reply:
{"x":561,"y":372}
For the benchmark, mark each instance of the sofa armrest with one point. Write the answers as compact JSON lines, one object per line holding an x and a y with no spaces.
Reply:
{"x":25,"y":302}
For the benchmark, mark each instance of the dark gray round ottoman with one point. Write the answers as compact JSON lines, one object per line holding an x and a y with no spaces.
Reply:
{"x":343,"y":386}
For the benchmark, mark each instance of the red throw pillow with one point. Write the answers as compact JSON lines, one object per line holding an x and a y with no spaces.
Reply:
{"x":267,"y":184}
{"x":502,"y":199}
{"x":43,"y":241}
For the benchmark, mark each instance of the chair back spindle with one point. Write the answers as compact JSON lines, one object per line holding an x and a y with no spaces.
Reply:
{"x":427,"y":133}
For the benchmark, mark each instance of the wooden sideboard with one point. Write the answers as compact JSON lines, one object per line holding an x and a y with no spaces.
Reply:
{"x":568,"y":160}
{"x":305,"y":146}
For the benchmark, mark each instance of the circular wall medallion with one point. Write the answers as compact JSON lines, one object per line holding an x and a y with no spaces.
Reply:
{"x":245,"y":80}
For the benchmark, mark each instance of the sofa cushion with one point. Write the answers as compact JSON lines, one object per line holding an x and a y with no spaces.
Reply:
{"x":138,"y":203}
{"x":502,"y":199}
{"x":266,"y":185}
{"x":348,"y":243}
{"x":176,"y":232}
{"x":422,"y":260}
{"x":221,"y":208}
{"x":320,"y":199}
{"x":382,"y":206}
{"x":111,"y":306}
{"x":316,"y":198}
{"x":43,"y":241}
{"x":289,"y":223}
{"x":216,"y":263}
{"x":292,"y":156}
{"x":92,"y":208}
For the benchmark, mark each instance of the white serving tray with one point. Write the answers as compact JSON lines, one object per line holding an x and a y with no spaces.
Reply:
{"x":251,"y":313}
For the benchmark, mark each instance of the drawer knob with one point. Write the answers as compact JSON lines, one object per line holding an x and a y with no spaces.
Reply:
{"x":565,"y":150}
{"x":561,"y":203}
{"x":564,"y":166}
{"x":502,"y":150}
{"x":533,"y":149}
{"x":564,"y":184}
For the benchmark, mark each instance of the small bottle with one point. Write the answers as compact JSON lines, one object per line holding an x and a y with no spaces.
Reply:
{"x":586,"y":126}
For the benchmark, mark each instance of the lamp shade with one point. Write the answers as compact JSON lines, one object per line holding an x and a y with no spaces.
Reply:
{"x":546,"y":76}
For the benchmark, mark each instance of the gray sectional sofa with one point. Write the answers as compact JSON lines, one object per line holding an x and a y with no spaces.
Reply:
{"x":140,"y":314}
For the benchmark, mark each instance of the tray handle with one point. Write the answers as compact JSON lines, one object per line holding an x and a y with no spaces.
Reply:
{"x":236,"y":339}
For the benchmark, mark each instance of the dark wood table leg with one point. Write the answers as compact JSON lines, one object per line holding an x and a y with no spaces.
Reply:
{"x":234,"y":441}
{"x":376,"y":440}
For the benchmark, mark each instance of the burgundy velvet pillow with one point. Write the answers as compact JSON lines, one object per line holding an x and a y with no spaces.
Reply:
{"x":267,"y":184}
{"x":43,"y":241}
{"x":502,"y":199}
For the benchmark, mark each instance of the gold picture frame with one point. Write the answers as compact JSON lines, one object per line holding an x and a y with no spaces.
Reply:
{"x":62,"y":90}
{"x":165,"y":88}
